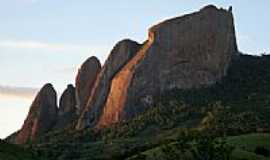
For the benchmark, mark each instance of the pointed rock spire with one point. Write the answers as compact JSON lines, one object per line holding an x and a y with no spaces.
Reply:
{"x":122,"y":52}
{"x":85,"y":80}
{"x":185,"y":52}
{"x":41,"y":117}
{"x":67,"y":108}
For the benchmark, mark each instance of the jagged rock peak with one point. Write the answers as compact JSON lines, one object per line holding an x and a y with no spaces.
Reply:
{"x":47,"y":92}
{"x":85,"y":80}
{"x":207,"y":11}
{"x":91,"y":60}
{"x":124,"y":43}
{"x":190,"y":51}
{"x":67,"y":100}
{"x":209,"y":7}
{"x":41,"y":117}
{"x":121,"y":53}
{"x":67,"y":108}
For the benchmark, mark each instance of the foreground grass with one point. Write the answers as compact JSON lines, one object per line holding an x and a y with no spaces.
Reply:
{"x":244,"y":149}
{"x":247,"y":144}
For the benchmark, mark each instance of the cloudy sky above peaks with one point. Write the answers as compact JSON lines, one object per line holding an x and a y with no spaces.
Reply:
{"x":45,"y":41}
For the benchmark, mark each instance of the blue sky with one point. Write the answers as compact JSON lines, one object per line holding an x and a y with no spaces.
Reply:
{"x":46,"y":40}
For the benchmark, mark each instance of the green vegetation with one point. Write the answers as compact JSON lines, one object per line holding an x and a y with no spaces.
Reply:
{"x":239,"y":103}
{"x":14,"y":152}
{"x":191,"y":145}
{"x":230,"y":148}
{"x":227,"y":121}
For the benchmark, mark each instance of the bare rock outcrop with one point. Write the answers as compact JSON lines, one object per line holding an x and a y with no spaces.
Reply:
{"x":119,"y":56}
{"x":67,"y":113}
{"x":191,"y":51}
{"x":41,"y":117}
{"x":85,"y":80}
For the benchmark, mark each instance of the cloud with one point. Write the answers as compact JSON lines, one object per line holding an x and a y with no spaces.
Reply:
{"x":18,"y":92}
{"x":40,"y":45}
{"x":98,"y":50}
{"x":67,"y":70}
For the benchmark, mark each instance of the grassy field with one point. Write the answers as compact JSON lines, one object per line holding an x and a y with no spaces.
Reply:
{"x":139,"y":148}
{"x":244,"y":148}
{"x":247,"y":144}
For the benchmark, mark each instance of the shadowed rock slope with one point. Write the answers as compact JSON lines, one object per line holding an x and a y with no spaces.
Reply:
{"x":45,"y":116}
{"x":192,"y":51}
{"x":85,"y":80}
{"x":119,"y":56}
{"x":67,"y":108}
{"x":41,"y":117}
{"x":185,"y":52}
{"x":185,"y":93}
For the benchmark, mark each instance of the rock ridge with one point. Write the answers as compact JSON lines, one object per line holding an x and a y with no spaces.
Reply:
{"x":41,"y":117}
{"x":67,"y":113}
{"x":85,"y":80}
{"x":191,"y":51}
{"x":120,"y":55}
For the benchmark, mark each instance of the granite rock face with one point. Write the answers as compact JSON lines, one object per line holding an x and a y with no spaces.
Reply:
{"x":191,"y":51}
{"x":41,"y":117}
{"x":67,"y":113}
{"x":119,"y":56}
{"x":85,"y":80}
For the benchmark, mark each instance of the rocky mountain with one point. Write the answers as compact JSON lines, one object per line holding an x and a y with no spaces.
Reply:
{"x":119,"y":56}
{"x":90,"y":79}
{"x":85,"y":80}
{"x":188,"y":52}
{"x":67,"y":112}
{"x":41,"y":117}
{"x":184,"y":52}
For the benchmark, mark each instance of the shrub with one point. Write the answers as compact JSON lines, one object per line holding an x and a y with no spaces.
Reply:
{"x":262,"y":151}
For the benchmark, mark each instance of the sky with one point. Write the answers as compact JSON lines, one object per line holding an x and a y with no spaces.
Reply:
{"x":45,"y":41}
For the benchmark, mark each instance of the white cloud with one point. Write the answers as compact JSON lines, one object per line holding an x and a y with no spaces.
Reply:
{"x":99,"y":50}
{"x":13,"y":113}
{"x":8,"y":92}
{"x":68,"y":70}
{"x":40,"y":45}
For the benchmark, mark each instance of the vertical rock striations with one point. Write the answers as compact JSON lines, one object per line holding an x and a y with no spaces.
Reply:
{"x":119,"y":56}
{"x":85,"y":80}
{"x":41,"y":117}
{"x":191,"y":51}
